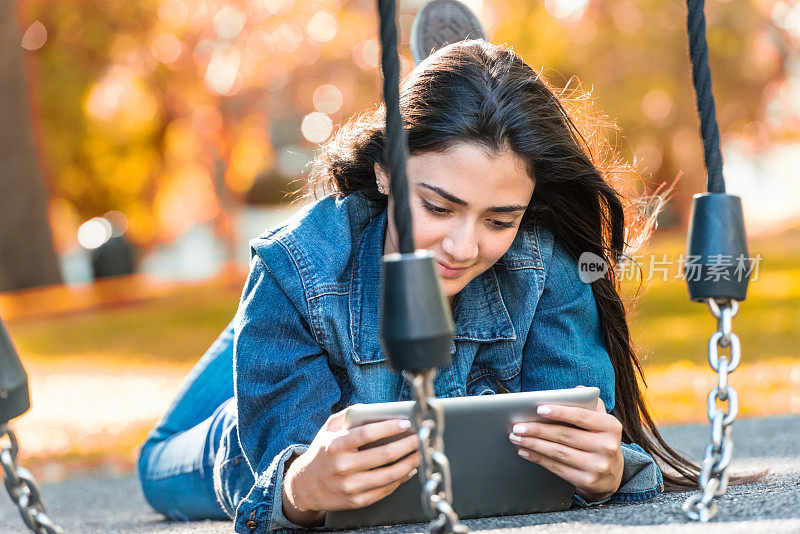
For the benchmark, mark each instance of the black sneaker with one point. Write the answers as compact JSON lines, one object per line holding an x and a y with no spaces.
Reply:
{"x":441,"y":22}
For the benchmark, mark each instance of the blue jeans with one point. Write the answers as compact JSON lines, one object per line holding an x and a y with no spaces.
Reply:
{"x":176,"y":462}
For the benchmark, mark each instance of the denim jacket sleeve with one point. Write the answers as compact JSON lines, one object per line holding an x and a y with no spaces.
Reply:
{"x":565,"y":348}
{"x":283,"y":384}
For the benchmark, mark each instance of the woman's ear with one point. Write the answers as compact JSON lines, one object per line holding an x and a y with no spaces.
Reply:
{"x":381,"y":179}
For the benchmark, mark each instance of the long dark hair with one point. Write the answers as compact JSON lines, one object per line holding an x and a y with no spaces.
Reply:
{"x":486,"y":94}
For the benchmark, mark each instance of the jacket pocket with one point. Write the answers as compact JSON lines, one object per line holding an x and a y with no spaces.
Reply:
{"x":495,"y":367}
{"x":363,"y":357}
{"x":488,"y":384}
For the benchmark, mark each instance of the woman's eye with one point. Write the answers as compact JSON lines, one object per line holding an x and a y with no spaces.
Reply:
{"x":435,"y":209}
{"x":501,"y":224}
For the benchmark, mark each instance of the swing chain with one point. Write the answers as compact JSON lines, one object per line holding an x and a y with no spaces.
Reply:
{"x":23,"y":488}
{"x":714,"y":470}
{"x":434,"y":471}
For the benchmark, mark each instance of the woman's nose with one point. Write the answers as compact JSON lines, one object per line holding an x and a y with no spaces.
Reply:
{"x":461,"y":243}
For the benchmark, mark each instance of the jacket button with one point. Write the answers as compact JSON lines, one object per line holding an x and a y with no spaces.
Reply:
{"x":251,"y":524}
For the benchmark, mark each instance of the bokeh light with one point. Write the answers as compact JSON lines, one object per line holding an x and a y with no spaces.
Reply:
{"x":35,"y":36}
{"x":121,"y":96}
{"x":787,"y":16}
{"x":569,"y":10}
{"x":94,"y":233}
{"x":228,"y":22}
{"x":105,"y":98}
{"x":327,"y":98}
{"x":627,"y":17}
{"x":222,"y":71}
{"x":322,"y":27}
{"x":166,"y":48}
{"x":288,"y":37}
{"x":367,"y":54}
{"x":203,"y":51}
{"x":276,"y":7}
{"x":118,"y":221}
{"x":657,"y":105}
{"x":316,"y":127}
{"x":173,"y":13}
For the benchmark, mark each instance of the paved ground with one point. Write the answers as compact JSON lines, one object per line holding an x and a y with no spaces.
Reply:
{"x":106,"y":504}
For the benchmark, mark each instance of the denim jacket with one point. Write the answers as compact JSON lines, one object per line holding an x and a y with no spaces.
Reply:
{"x":306,"y":345}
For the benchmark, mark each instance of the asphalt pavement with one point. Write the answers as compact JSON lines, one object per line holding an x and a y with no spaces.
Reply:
{"x":114,"y":504}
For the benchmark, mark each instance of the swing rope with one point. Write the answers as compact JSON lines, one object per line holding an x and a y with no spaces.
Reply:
{"x":396,"y":148}
{"x":701,"y":78}
{"x":416,"y":329}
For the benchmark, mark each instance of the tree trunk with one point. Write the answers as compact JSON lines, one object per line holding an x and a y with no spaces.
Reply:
{"x":27,"y":257}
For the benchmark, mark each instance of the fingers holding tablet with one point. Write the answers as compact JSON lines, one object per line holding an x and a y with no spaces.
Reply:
{"x":347,"y":468}
{"x":372,"y":433}
{"x":581,"y":445}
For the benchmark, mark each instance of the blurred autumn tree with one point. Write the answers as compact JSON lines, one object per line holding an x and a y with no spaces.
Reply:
{"x":168,"y":110}
{"x":27,"y":257}
{"x":633,"y":56}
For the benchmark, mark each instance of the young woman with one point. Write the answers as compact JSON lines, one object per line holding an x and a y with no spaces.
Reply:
{"x":507,"y":194}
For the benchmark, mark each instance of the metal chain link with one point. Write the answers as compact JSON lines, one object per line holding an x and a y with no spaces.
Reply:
{"x":23,"y":488}
{"x":714,"y":469}
{"x":428,"y":422}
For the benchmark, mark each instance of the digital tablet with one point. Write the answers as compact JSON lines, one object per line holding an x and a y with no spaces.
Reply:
{"x":488,"y":477}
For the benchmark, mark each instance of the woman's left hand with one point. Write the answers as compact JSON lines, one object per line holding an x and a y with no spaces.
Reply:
{"x":589,"y":456}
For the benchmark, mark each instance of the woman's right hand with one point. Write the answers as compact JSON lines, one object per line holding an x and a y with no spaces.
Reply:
{"x":334,"y":475}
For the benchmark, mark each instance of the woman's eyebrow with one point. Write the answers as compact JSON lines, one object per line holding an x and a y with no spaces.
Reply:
{"x":455,"y":200}
{"x":507,"y":209}
{"x":444,"y":194}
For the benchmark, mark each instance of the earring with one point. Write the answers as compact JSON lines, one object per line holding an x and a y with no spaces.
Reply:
{"x":381,"y":189}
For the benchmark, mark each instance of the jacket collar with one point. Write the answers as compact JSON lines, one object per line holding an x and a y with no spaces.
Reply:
{"x":479,"y":314}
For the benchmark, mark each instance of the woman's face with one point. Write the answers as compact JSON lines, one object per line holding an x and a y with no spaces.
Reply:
{"x":466,"y":206}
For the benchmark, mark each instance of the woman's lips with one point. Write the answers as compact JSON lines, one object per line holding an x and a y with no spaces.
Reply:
{"x":449,"y":272}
